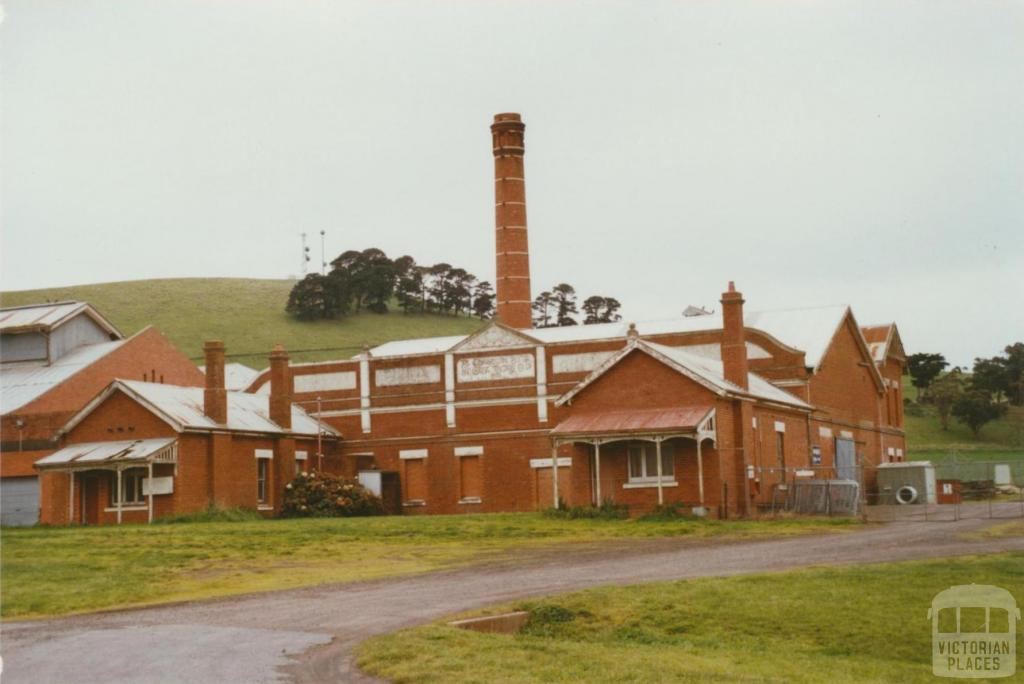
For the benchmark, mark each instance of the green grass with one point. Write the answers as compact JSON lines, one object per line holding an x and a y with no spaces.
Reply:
{"x":48,"y":571}
{"x":248,"y":315}
{"x":927,"y":439}
{"x":856,"y":624}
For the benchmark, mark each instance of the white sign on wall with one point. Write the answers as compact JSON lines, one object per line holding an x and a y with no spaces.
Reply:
{"x":579,"y":363}
{"x":157,"y":485}
{"x":484,"y":368}
{"x":324,"y":382}
{"x":412,"y":375}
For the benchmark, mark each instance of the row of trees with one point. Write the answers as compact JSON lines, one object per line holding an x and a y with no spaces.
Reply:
{"x":370,"y":280}
{"x":975,"y":398}
{"x":558,"y":307}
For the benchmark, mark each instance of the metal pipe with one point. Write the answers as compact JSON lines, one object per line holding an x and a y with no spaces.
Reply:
{"x":120,"y":495}
{"x":700,"y":473}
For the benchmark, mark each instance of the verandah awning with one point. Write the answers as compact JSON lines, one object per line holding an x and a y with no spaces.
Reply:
{"x":111,"y":454}
{"x":642,"y":421}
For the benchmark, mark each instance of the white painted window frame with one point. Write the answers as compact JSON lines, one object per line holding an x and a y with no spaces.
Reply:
{"x":668,"y":479}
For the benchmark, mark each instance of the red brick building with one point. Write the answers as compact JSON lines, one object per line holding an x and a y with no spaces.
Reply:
{"x":141,"y":450}
{"x":55,"y":358}
{"x":715,"y":410}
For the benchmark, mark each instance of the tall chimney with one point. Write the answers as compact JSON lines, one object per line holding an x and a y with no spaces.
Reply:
{"x":280,"y":388}
{"x":734,"y":343}
{"x":215,"y":397}
{"x":512,"y":285}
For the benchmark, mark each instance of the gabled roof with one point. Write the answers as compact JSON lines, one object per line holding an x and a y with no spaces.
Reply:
{"x":883,"y":341}
{"x":182,"y":409}
{"x":24,"y":382}
{"x":495,"y":335}
{"x":809,"y":330}
{"x":46,"y":317}
{"x":702,"y":370}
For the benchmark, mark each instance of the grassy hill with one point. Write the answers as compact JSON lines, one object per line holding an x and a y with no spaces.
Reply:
{"x":927,"y":440}
{"x":248,"y":315}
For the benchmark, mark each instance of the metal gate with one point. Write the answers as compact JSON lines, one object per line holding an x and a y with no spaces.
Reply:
{"x":846,"y":459}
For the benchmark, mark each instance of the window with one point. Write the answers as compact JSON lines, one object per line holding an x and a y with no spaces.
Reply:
{"x":643,"y":463}
{"x":469,"y":475}
{"x":261,"y":479}
{"x":131,"y":487}
{"x":780,"y":452}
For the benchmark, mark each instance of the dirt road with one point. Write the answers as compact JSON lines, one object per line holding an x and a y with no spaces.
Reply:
{"x":309,"y":634}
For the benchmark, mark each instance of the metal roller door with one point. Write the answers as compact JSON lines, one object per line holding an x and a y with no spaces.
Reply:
{"x":19,"y":501}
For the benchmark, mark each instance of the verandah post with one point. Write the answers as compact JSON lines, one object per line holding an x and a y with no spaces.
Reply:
{"x":657,"y":451}
{"x":554,"y":472}
{"x":597,"y":471}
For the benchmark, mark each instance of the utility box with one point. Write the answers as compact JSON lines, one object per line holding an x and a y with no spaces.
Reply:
{"x":948,"y":491}
{"x":908,"y":483}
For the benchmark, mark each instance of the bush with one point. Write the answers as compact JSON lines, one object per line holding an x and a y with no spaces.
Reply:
{"x":608,"y":510}
{"x":319,"y":495}
{"x":669,"y":511}
{"x":211,"y":515}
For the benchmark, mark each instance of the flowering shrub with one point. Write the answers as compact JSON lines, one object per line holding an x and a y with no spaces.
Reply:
{"x":319,"y":495}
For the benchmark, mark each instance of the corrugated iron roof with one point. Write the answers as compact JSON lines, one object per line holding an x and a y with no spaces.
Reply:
{"x":809,"y":330}
{"x":107,"y":453}
{"x":705,"y":371}
{"x":635,"y":421}
{"x":237,"y":376}
{"x":183,"y":408}
{"x":23,"y":382}
{"x":50,"y":315}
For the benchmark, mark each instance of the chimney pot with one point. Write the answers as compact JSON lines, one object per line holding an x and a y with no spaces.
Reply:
{"x":734,"y":343}
{"x":280,"y":388}
{"x":215,"y":396}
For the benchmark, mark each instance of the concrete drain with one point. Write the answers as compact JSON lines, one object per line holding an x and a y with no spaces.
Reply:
{"x":505,"y":623}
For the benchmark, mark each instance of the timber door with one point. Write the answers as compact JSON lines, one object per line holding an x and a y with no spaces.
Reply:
{"x":846,"y":459}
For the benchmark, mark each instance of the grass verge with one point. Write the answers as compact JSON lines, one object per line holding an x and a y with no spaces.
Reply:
{"x":51,"y":571}
{"x":856,"y":624}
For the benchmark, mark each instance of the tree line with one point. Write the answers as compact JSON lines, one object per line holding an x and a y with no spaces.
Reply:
{"x":974,"y":398}
{"x":369,"y":280}
{"x":558,"y":307}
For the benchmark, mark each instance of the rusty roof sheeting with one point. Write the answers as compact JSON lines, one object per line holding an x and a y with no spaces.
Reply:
{"x":683,"y":419}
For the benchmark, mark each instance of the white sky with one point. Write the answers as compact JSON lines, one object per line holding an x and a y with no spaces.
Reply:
{"x":870,"y":153}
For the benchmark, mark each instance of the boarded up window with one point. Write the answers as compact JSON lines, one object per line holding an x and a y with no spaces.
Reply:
{"x":469,"y":470}
{"x":545,"y":486}
{"x":415,"y":479}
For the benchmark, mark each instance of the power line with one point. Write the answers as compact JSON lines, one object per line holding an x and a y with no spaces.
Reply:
{"x":290,"y":351}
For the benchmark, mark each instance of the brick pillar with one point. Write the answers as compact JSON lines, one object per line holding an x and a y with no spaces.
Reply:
{"x":734,"y":343}
{"x":280,"y":388}
{"x":215,"y":397}
{"x":512,"y":282}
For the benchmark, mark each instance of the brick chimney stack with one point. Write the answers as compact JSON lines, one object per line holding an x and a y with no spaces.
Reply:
{"x":512,"y":283}
{"x":215,"y":397}
{"x":734,"y":343}
{"x":280,"y":388}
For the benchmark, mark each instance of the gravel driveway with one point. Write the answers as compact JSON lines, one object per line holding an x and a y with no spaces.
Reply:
{"x":308,"y":634}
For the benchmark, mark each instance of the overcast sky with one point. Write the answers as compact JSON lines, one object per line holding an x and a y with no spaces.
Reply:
{"x":869,"y":153}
